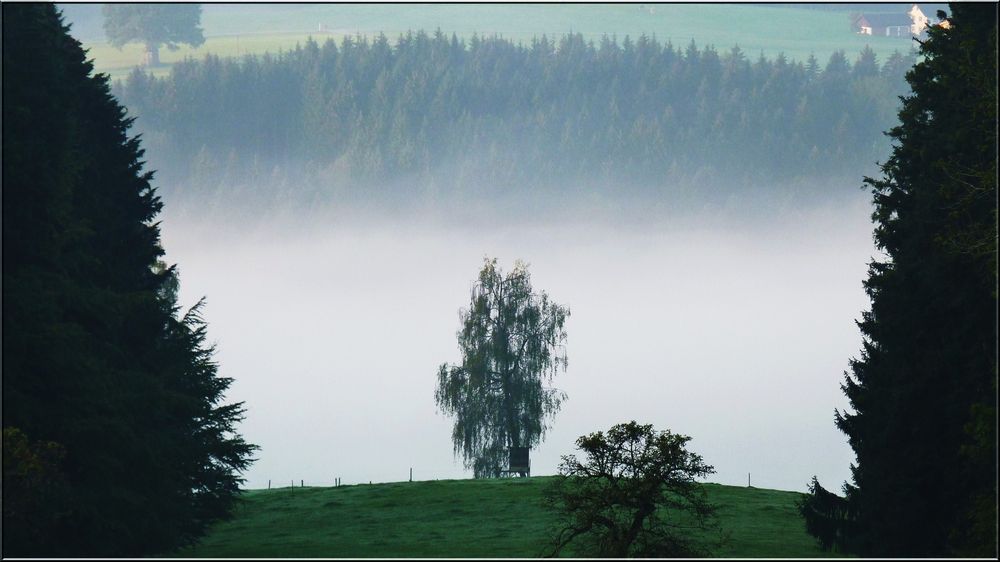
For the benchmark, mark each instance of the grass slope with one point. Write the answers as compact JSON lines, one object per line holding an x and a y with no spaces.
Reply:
{"x":461,"y":518}
{"x":255,"y":28}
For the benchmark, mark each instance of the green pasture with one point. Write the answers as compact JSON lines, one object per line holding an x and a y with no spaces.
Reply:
{"x":117,"y":63}
{"x":462,"y":518}
{"x":233,"y":30}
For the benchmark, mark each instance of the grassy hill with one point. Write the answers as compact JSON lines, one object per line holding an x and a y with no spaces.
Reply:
{"x":254,"y":28}
{"x":462,"y":518}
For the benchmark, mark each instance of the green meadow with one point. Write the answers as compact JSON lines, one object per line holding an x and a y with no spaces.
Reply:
{"x":235,"y":30}
{"x":463,"y":518}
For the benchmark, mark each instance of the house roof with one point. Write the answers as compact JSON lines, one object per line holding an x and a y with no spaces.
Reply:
{"x":887,"y":20}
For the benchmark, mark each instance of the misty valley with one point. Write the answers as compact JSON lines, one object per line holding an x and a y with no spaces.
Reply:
{"x":350,"y":191}
{"x":678,"y":323}
{"x":314,"y":289}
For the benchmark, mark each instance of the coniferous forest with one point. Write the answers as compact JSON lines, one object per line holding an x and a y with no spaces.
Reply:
{"x":116,"y":437}
{"x":435,"y":117}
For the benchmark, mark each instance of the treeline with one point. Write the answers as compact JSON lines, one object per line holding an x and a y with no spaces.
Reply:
{"x":444,"y":115}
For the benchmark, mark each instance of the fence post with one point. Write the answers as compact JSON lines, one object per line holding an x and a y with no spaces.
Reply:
{"x":411,"y":474}
{"x":268,"y":483}
{"x":302,"y":483}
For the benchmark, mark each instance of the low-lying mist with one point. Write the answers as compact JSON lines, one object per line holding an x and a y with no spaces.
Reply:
{"x":730,"y":329}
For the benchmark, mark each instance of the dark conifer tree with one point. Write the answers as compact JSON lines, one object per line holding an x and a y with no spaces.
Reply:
{"x":924,"y":389}
{"x":102,"y":380}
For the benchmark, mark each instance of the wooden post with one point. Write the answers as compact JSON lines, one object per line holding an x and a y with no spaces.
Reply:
{"x":302,"y":483}
{"x":268,"y":484}
{"x":748,"y":480}
{"x":411,"y":474}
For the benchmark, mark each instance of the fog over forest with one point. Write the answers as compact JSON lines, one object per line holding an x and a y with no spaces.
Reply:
{"x":435,"y":120}
{"x":699,"y":213}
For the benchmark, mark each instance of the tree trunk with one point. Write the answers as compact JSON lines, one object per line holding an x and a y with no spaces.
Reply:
{"x":632,"y":533}
{"x":152,"y":55}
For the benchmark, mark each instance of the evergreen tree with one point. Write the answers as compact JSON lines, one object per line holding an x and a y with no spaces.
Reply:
{"x":102,"y":379}
{"x":924,"y":389}
{"x":867,"y":64}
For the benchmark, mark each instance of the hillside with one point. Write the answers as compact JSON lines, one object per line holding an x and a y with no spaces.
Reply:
{"x":244,"y":29}
{"x":461,"y":518}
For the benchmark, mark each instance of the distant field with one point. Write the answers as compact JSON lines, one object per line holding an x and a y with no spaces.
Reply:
{"x":118,"y":63}
{"x":256,"y":28}
{"x":462,"y":518}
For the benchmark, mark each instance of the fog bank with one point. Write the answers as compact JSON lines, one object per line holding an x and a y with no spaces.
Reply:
{"x":734,"y":334}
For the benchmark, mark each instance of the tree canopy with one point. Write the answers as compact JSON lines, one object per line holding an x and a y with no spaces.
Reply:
{"x":511,"y":342}
{"x":924,"y":389}
{"x":153,"y":25}
{"x":635,"y":494}
{"x":117,"y":440}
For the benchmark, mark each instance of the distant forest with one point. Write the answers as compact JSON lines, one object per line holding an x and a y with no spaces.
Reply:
{"x":435,"y":117}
